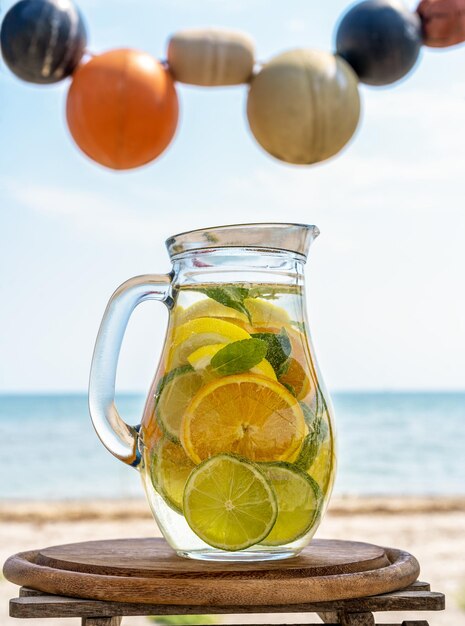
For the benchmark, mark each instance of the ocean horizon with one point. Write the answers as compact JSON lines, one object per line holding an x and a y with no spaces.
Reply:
{"x":390,"y":443}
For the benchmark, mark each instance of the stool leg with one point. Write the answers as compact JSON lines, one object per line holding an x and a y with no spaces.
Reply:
{"x":347,"y":619}
{"x":329,"y":617}
{"x":101,"y":621}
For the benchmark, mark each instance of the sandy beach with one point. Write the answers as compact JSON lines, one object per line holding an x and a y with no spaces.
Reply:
{"x":432,"y":529}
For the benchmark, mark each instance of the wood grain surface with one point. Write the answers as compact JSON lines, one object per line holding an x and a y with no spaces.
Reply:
{"x":154,"y":558}
{"x":33,"y":603}
{"x":147,"y":571}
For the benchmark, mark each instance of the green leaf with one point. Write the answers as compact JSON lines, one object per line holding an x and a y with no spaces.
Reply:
{"x":283,"y":368}
{"x":265,"y":292}
{"x":309,"y":414}
{"x":238,"y":356}
{"x":231,"y":296}
{"x":308,"y":452}
{"x":270,"y":292}
{"x":290,"y":388}
{"x":279,"y":348}
{"x":312,"y":442}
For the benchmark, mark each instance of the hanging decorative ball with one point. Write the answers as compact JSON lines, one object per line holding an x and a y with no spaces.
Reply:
{"x":122,"y":108}
{"x":304,"y":106}
{"x":443,"y":22}
{"x":380,"y":39}
{"x":43,"y":41}
{"x":211,"y":57}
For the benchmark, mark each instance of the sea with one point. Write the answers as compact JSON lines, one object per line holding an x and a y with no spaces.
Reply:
{"x":396,"y":443}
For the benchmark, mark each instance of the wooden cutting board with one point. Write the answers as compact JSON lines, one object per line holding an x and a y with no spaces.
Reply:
{"x":148,"y":571}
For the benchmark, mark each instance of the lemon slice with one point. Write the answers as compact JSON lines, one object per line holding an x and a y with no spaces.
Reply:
{"x":169,"y":472}
{"x":200,"y":332}
{"x":299,"y":502}
{"x":200,"y":360}
{"x":209,"y":308}
{"x":244,"y":414}
{"x":175,"y":396}
{"x":228,"y":503}
{"x":264,"y":313}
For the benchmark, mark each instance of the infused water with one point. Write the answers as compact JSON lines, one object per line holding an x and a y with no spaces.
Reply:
{"x":237,"y":438}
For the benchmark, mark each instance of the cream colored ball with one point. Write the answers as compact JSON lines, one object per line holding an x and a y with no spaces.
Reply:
{"x":304,"y":106}
{"x":211,"y":57}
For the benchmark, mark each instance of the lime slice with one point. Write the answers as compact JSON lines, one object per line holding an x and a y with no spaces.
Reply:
{"x":200,"y":332}
{"x":170,"y":470}
{"x":299,"y":499}
{"x":200,"y":360}
{"x":229,"y":503}
{"x":175,"y":395}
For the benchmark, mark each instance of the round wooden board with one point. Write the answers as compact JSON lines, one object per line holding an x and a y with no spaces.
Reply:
{"x":148,"y":571}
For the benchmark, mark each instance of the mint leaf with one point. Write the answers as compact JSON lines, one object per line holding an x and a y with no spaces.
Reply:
{"x":231,"y":296}
{"x":290,"y":388}
{"x":283,"y":368}
{"x":309,"y":414}
{"x":312,"y":442}
{"x":238,"y":357}
{"x":279,"y":348}
{"x":265,"y":292}
{"x":308,"y":452}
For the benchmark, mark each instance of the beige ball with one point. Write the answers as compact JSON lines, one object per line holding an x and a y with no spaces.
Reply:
{"x":211,"y":57}
{"x":304,"y":106}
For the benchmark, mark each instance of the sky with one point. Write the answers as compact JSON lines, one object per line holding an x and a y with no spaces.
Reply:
{"x":386,"y":294}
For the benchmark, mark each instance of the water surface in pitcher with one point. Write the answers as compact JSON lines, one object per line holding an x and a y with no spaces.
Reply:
{"x":237,"y":435}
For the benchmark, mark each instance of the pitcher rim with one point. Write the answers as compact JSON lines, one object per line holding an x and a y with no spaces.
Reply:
{"x":280,"y":236}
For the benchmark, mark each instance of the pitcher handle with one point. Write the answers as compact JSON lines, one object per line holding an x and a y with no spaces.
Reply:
{"x":117,"y":436}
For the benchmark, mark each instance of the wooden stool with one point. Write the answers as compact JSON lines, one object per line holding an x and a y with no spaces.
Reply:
{"x":102,"y":581}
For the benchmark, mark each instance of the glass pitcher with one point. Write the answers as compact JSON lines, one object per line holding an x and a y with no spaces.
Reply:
{"x":236,"y":445}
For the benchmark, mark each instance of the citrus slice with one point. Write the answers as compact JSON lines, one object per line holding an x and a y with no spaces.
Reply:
{"x":175,"y":396}
{"x":200,"y":360}
{"x":264,"y":313}
{"x":151,"y":431}
{"x":169,"y":472}
{"x":200,"y":332}
{"x":229,"y":503}
{"x":294,"y":377}
{"x":321,"y":470}
{"x":177,"y":314}
{"x":244,"y":414}
{"x":299,"y":500}
{"x":209,"y":308}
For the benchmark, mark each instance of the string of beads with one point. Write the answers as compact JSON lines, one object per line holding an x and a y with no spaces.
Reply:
{"x":303,"y":105}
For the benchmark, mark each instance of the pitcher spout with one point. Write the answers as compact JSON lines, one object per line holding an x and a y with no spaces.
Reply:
{"x":293,"y":238}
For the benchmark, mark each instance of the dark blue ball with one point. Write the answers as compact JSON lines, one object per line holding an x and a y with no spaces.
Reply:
{"x":43,"y":41}
{"x":380,"y":39}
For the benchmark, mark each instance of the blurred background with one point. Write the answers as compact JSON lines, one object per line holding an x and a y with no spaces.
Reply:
{"x":385,"y":279}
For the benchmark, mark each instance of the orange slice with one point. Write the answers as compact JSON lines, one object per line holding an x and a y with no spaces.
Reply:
{"x":245,"y":414}
{"x":296,"y":378}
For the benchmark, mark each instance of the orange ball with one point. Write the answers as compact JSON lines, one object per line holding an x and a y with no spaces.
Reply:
{"x":122,"y":108}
